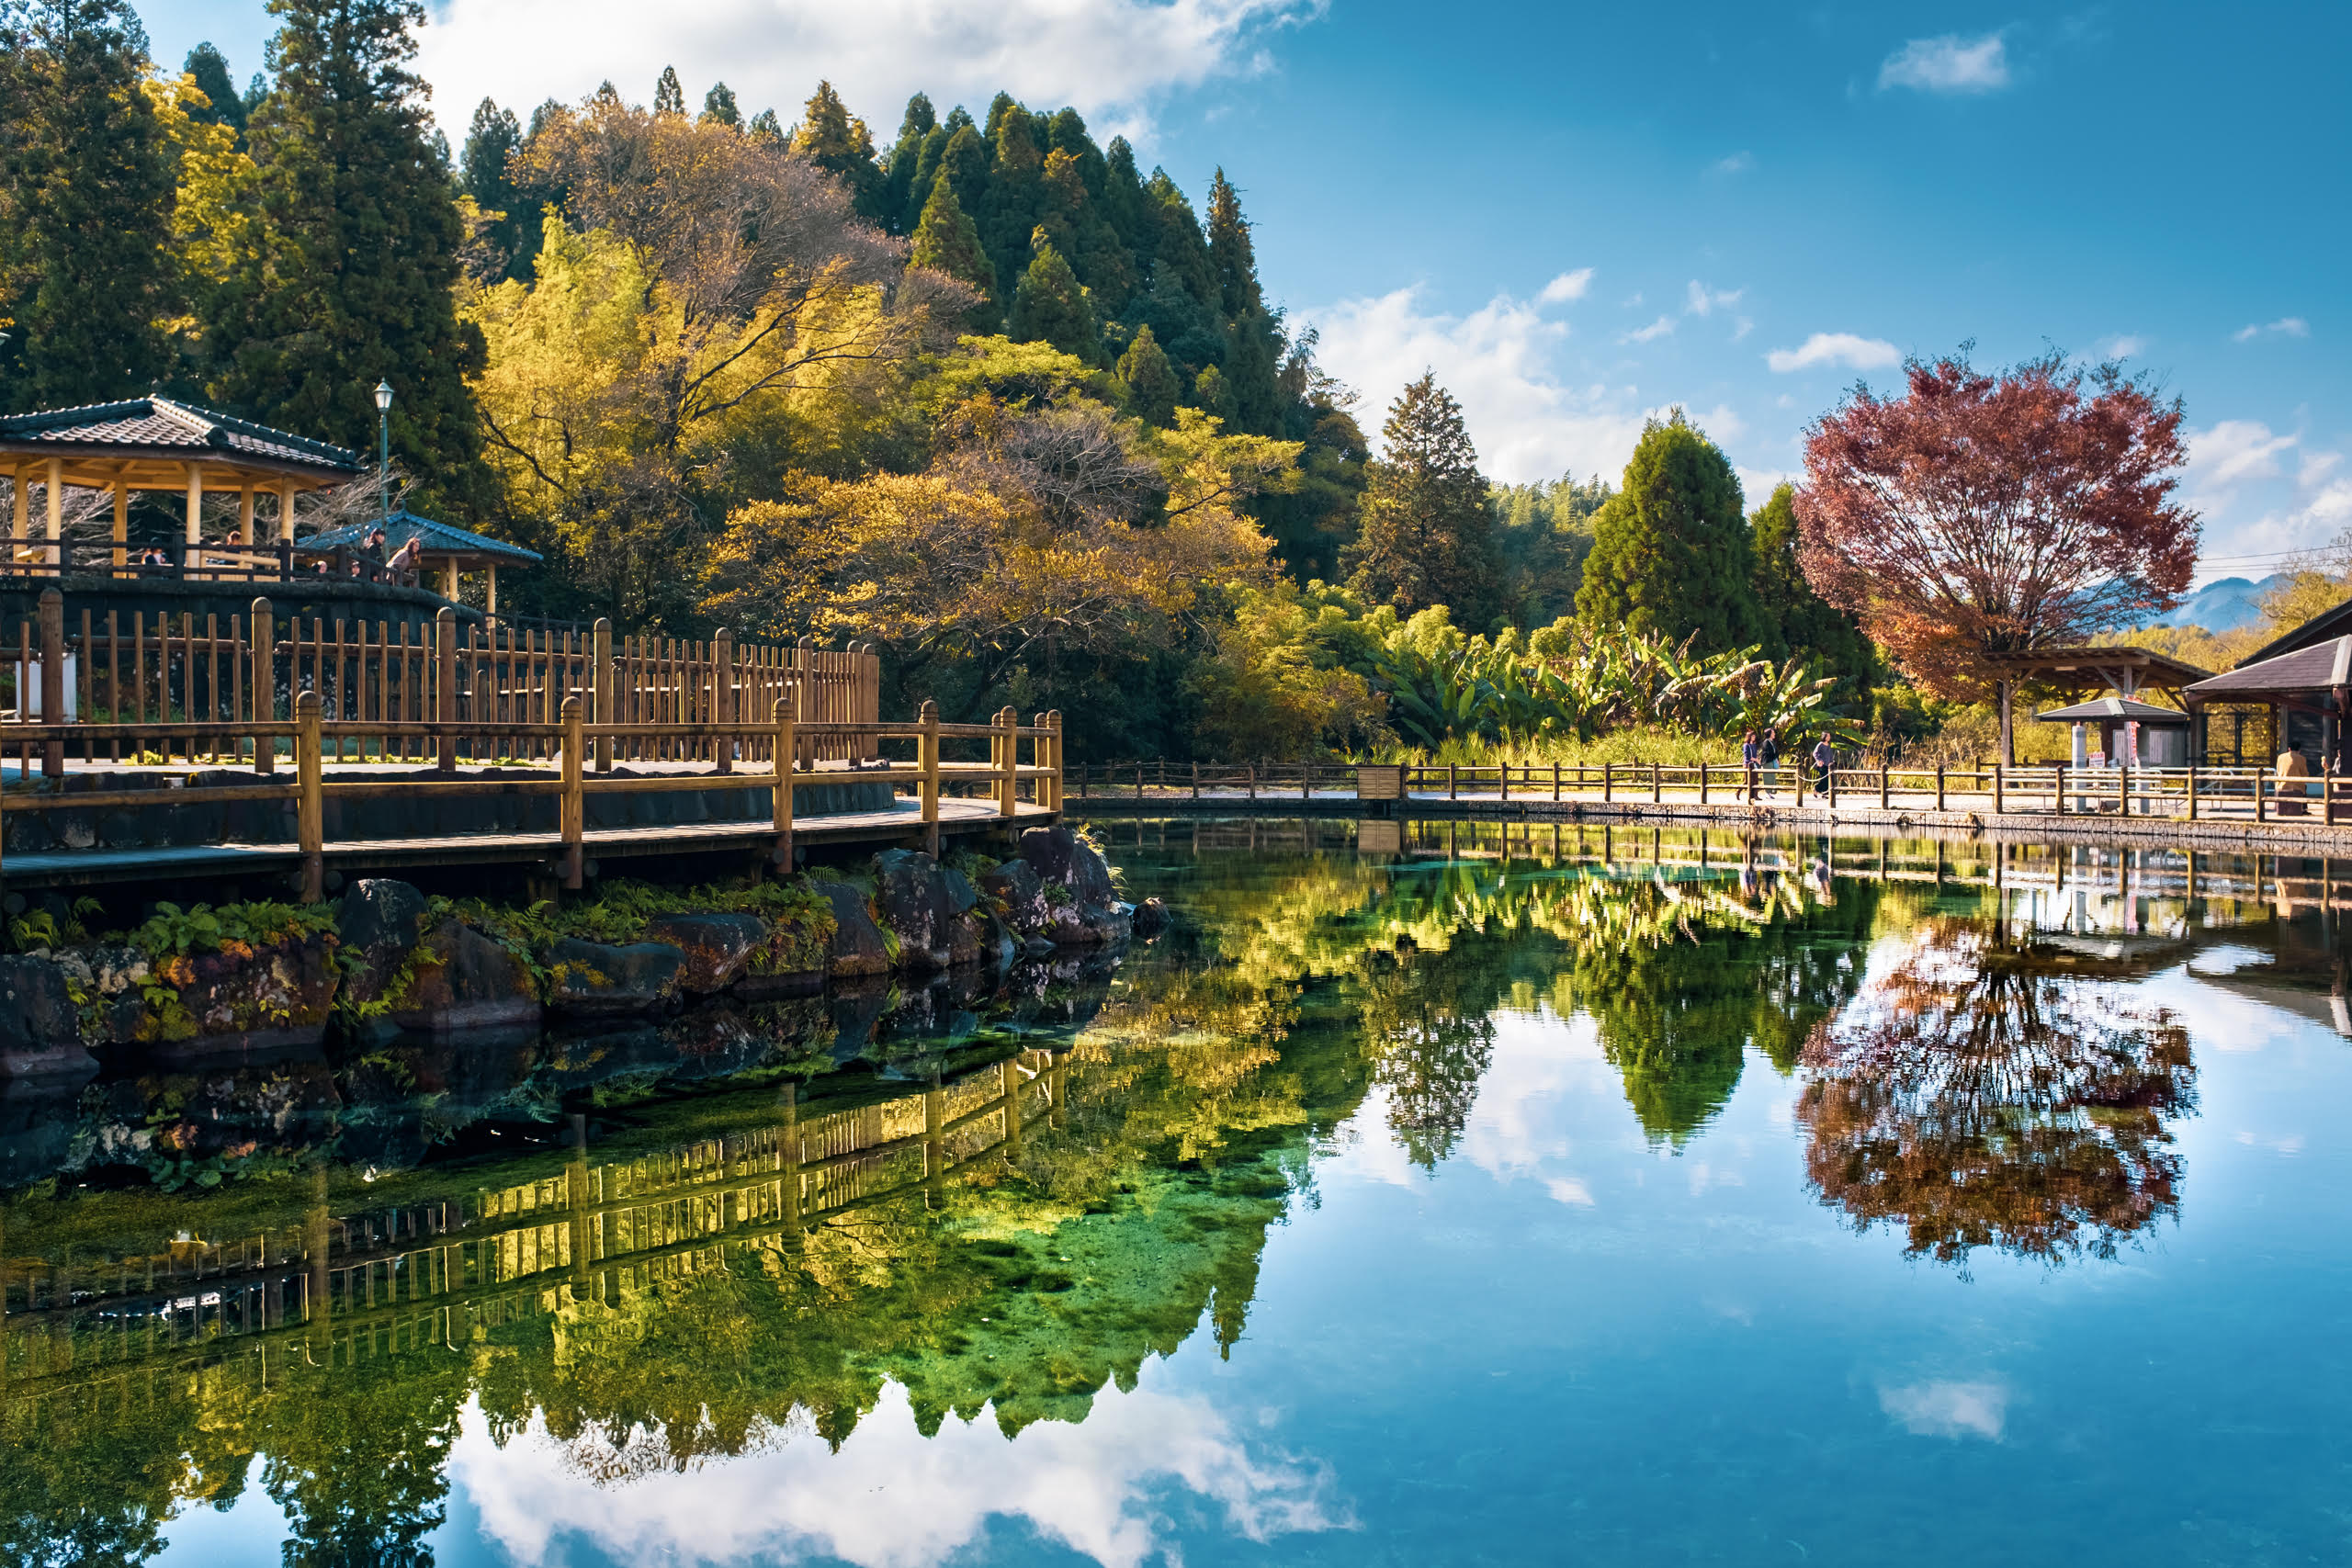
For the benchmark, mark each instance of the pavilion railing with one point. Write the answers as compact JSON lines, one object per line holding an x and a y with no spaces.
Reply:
{"x":127,"y":687}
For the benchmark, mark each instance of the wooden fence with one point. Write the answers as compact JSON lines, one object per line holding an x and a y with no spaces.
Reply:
{"x":160,"y":687}
{"x":2190,"y":794}
{"x":428,"y":1272}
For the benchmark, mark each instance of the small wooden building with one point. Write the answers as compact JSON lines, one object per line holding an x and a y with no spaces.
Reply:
{"x":155,"y":444}
{"x":2163,"y":733}
{"x":2305,"y":683}
{"x":444,"y":552}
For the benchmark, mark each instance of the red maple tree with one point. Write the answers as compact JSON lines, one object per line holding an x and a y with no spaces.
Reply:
{"x":1984,"y":514}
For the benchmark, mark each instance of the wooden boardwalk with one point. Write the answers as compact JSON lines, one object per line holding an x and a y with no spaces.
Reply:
{"x":1003,"y":793}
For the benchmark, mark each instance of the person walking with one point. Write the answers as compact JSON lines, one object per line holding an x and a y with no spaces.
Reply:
{"x":1768,"y":755}
{"x":1747,"y":759}
{"x":1825,"y":757}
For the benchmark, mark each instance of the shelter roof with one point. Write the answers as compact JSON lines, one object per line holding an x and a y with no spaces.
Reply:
{"x":2317,"y":668}
{"x":176,"y":432}
{"x":2097,"y":665}
{"x":434,"y":539}
{"x":2113,"y":708}
{"x":2325,"y":627}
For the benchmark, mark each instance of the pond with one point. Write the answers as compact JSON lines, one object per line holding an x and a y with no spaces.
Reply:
{"x":1503,"y":1197}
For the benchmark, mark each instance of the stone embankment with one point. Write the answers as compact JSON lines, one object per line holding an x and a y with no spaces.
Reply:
{"x":388,"y":964}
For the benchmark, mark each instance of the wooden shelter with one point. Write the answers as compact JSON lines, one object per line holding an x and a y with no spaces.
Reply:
{"x":2305,"y":688}
{"x":2124,"y":670}
{"x":155,"y":444}
{"x":443,"y":548}
{"x":2121,"y":721}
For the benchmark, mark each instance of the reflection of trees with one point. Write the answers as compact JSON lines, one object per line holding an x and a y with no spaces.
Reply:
{"x":1429,"y":1046}
{"x":1993,"y":1092}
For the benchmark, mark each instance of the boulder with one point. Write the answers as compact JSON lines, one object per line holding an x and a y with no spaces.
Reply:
{"x":457,"y":980}
{"x":242,"y":999}
{"x":718,"y":948}
{"x":858,"y":948}
{"x":1150,"y":918}
{"x":1062,"y":857}
{"x":1019,"y":896}
{"x":40,"y":1024}
{"x":596,"y":979}
{"x":381,"y":922}
{"x":913,"y":899}
{"x":1075,"y":906}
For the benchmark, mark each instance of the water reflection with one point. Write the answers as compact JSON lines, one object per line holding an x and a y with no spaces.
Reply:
{"x":1995,"y":1089}
{"x":694,"y":1289}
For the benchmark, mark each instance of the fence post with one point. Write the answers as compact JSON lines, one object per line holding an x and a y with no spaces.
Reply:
{"x":264,"y":683}
{"x":574,"y":815}
{"x":1008,"y":789}
{"x":2192,"y":794}
{"x":2260,"y":803}
{"x":1052,"y":720}
{"x":1832,"y":772}
{"x":1657,"y":787}
{"x":1555,"y":782}
{"x":1940,"y":786}
{"x":1452,"y":790}
{"x":1884,"y":772}
{"x":1608,"y":780}
{"x":445,"y":681}
{"x":930,"y":764}
{"x":600,"y":688}
{"x":1703,"y":784}
{"x":2000,"y":796}
{"x":309,"y":815}
{"x":2059,"y":772}
{"x":1502,"y":781}
{"x":1196,"y":780}
{"x":1250,"y":777}
{"x":787,"y":706}
{"x":722,"y":699}
{"x":52,"y":669}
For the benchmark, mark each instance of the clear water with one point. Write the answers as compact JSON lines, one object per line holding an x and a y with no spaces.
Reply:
{"x":1512,"y":1205}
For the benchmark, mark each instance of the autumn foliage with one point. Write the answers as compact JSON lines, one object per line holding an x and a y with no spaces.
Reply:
{"x":1991,"y":513}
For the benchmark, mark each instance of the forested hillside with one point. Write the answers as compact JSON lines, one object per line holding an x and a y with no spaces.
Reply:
{"x":991,"y":396}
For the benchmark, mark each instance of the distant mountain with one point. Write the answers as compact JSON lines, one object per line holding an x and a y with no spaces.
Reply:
{"x":2223,"y":606}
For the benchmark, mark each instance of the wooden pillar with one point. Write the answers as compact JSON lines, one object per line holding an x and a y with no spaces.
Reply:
{"x":264,"y":683}
{"x":449,"y":580}
{"x":194,"y":535}
{"x":1008,"y":789}
{"x":574,"y":821}
{"x":245,"y":516}
{"x":929,"y":755}
{"x":286,"y":512}
{"x":20,"y":521}
{"x":494,"y":591}
{"x":121,"y":519}
{"x":722,"y":696}
{"x":56,"y":520}
{"x":2009,"y":735}
{"x":52,"y":677}
{"x":600,"y":690}
{"x":445,"y":683}
{"x":786,"y":751}
{"x":1054,"y":722}
{"x":311,"y":797}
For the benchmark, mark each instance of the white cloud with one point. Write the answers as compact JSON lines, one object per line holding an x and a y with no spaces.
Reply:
{"x":1948,"y":65}
{"x":2124,"y":345}
{"x":1741,"y":327}
{"x":2285,"y":326}
{"x":1100,"y":1490}
{"x":1098,"y":55}
{"x":1738,"y":164}
{"x":2233,"y":452}
{"x":1498,"y":362}
{"x":1662,"y":327}
{"x":1702,"y":303}
{"x":1566,"y":287}
{"x":1945,"y":1409}
{"x":1836,"y":348}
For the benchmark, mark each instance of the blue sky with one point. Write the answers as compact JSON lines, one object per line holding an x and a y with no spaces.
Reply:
{"x":1581,"y":216}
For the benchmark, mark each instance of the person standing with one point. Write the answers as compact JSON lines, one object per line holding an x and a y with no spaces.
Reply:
{"x":1768,"y":756}
{"x":1748,"y":760}
{"x":1825,"y":757}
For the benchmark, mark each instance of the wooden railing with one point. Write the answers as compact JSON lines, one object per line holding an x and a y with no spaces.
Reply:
{"x":2190,"y":794}
{"x":789,"y":746}
{"x":159,"y":687}
{"x":440,"y":1267}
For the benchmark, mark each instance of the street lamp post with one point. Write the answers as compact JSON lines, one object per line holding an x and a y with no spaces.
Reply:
{"x":384,"y":448}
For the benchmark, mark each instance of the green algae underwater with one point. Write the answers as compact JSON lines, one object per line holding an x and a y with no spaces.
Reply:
{"x":1470,"y":1204}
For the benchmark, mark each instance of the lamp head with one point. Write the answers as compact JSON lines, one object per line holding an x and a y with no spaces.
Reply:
{"x":383,"y":397}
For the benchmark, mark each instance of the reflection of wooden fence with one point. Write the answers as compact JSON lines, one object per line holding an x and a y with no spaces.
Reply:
{"x":431,"y":1273}
{"x":213,"y":682}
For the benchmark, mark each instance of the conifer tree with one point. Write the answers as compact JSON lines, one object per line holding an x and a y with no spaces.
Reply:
{"x":964,"y":161}
{"x":1124,"y":206}
{"x":765,"y":126}
{"x":668,"y":98}
{"x":483,"y":174}
{"x":898,"y":186}
{"x":1230,"y":255}
{"x":838,"y":142}
{"x":1150,"y":381}
{"x":87,"y":182}
{"x":719,"y":107}
{"x":1670,"y":549}
{"x":1050,"y":307}
{"x":1212,"y":393}
{"x":210,"y":69}
{"x":1423,"y":537}
{"x":1008,"y":214}
{"x":1794,"y":621}
{"x":357,"y":285}
{"x":946,"y":241}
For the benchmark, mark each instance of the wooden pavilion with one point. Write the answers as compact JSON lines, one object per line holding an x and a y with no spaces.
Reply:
{"x":155,"y":444}
{"x":443,"y":548}
{"x":2126,"y":671}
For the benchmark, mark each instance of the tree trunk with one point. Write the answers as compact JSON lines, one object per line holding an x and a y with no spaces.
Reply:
{"x":2009,"y":735}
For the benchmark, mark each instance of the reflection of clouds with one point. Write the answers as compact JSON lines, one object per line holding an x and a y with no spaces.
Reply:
{"x":1544,"y":1068}
{"x":1948,"y":1409}
{"x":891,"y":1498}
{"x":1570,"y":1190}
{"x":2290,"y":1144}
{"x":1368,"y":1151}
